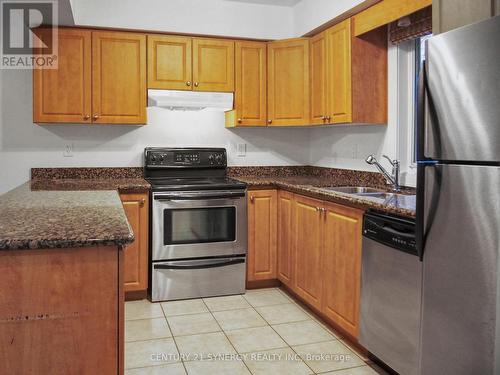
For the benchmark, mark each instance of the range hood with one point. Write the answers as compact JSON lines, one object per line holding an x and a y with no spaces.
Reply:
{"x":190,"y":100}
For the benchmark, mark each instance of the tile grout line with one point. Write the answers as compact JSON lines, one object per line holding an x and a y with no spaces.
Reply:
{"x":224,"y":333}
{"x":339,"y":338}
{"x":288,"y":345}
{"x":173,"y":338}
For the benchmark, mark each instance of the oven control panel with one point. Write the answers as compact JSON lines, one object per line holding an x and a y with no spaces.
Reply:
{"x":186,"y":158}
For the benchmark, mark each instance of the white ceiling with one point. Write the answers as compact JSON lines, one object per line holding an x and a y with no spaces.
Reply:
{"x":282,"y":3}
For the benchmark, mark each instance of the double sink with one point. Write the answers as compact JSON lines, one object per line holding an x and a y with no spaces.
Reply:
{"x":362,"y":191}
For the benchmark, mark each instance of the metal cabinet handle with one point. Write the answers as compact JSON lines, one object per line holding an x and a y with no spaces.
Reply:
{"x":86,"y":117}
{"x":188,"y":83}
{"x":95,"y":117}
{"x":328,"y":118}
{"x":142,"y":202}
{"x":269,"y":121}
{"x":196,"y":84}
{"x":323,"y":117}
{"x":251,"y":198}
{"x":240,"y":121}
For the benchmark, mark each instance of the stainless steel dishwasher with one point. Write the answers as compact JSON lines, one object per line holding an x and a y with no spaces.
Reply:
{"x":391,"y":292}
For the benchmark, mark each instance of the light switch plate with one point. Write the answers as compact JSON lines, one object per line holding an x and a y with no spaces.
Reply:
{"x":241,"y":149}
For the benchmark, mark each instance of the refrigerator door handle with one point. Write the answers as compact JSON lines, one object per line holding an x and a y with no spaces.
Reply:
{"x":425,"y":218}
{"x":425,"y":109}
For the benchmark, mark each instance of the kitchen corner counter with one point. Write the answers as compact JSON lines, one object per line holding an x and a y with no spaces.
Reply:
{"x":310,"y":185}
{"x":43,"y":217}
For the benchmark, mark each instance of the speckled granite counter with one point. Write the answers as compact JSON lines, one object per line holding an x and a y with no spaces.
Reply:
{"x":125,"y":180}
{"x":40,"y":219}
{"x":309,"y":180}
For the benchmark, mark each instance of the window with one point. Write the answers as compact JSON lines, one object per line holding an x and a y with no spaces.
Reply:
{"x":411,"y":55}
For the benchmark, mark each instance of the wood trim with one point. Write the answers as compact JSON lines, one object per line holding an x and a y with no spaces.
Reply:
{"x":385,"y":12}
{"x":369,"y":77}
{"x":257,"y":284}
{"x":285,"y":231}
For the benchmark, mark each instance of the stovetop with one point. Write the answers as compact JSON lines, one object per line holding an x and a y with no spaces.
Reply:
{"x":201,"y":183}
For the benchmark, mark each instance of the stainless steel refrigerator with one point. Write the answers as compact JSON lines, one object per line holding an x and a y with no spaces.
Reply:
{"x":458,"y":201}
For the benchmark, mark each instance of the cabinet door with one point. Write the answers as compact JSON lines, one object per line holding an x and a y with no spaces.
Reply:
{"x":136,"y":254}
{"x":342,"y":265}
{"x":308,"y":228}
{"x":262,"y":220}
{"x":213,"y":65}
{"x":319,"y":111}
{"x":118,"y":78}
{"x":339,"y":72}
{"x":64,"y":94}
{"x":169,"y":62}
{"x":288,"y":82}
{"x":251,"y":83}
{"x":285,"y":238}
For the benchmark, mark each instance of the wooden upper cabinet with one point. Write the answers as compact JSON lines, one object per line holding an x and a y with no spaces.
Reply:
{"x":262,"y":219}
{"x":318,"y":63}
{"x":356,"y":75}
{"x":339,"y":72}
{"x":213,"y":65}
{"x":64,"y":94}
{"x":118,"y":77}
{"x":342,"y":266}
{"x":288,"y":82}
{"x":250,"y":94}
{"x":308,"y":228}
{"x":169,"y":62}
{"x":285,"y":238}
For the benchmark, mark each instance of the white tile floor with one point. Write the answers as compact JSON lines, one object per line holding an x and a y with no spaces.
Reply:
{"x":262,"y":332}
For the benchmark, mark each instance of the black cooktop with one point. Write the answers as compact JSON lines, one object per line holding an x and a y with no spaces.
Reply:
{"x":203,"y":183}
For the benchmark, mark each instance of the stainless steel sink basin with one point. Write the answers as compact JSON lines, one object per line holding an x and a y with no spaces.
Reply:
{"x":357,"y":190}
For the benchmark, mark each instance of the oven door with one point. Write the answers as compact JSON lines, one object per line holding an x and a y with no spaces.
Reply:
{"x":195,"y":224}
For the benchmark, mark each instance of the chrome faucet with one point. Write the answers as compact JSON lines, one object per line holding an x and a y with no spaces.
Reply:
{"x":393,"y":177}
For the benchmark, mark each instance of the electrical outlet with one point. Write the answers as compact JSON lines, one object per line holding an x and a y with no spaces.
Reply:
{"x":241,"y":149}
{"x":69,"y":150}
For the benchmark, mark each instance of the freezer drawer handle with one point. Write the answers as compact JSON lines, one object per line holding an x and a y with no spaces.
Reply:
{"x":198,"y":266}
{"x":191,"y":196}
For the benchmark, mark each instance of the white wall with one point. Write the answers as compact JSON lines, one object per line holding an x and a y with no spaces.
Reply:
{"x":209,"y":17}
{"x":309,"y":14}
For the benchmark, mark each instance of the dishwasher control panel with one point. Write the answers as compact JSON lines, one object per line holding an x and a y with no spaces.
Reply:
{"x":393,"y":231}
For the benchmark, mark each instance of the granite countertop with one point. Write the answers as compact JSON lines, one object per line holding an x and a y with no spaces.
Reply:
{"x":123,"y":185}
{"x":125,"y":180}
{"x":310,"y":185}
{"x":42,"y":219}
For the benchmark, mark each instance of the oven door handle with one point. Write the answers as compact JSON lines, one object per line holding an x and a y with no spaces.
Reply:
{"x":199,"y":195}
{"x":197,"y":265}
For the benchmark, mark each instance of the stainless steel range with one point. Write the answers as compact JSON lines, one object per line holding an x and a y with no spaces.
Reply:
{"x":198,"y":224}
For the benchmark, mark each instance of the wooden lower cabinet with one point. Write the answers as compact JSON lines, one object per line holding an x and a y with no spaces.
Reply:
{"x":136,"y":254}
{"x":62,"y":311}
{"x":341,"y":272}
{"x":262,"y":220}
{"x":285,"y":238}
{"x":308,"y":234}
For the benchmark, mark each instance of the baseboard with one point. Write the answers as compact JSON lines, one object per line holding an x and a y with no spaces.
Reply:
{"x":257,"y":284}
{"x":136,"y":295}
